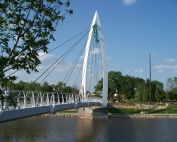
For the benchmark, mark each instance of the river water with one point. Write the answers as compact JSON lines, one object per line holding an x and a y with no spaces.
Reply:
{"x":73,"y":129}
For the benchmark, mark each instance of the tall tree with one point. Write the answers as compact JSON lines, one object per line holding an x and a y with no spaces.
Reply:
{"x":114,"y":83}
{"x":139,"y":92}
{"x":169,"y":84}
{"x":145,"y":94}
{"x":127,"y":87}
{"x":99,"y":86}
{"x":46,"y":87}
{"x":59,"y":86}
{"x":27,"y":27}
{"x":157,"y":95}
{"x":172,"y":88}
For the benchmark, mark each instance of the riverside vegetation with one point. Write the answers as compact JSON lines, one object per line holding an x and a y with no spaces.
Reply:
{"x":132,"y":110}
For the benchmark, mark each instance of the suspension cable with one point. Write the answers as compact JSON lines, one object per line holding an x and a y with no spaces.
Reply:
{"x":64,"y":55}
{"x":91,"y":66}
{"x":65,"y":42}
{"x":75,"y":64}
{"x":101,"y":64}
{"x":54,"y":48}
{"x":79,"y":72}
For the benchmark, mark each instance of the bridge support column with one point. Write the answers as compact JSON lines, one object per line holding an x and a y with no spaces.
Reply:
{"x":89,"y":113}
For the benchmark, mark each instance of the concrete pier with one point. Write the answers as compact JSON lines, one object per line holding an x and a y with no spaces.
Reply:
{"x":89,"y":113}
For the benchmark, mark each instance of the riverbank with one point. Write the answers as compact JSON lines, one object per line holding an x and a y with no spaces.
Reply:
{"x":119,"y":115}
{"x":142,"y":115}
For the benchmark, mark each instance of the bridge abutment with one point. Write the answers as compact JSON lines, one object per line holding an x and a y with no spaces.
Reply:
{"x":90,"y":113}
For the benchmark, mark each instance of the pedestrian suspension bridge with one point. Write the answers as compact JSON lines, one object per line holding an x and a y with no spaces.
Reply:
{"x":32,"y":103}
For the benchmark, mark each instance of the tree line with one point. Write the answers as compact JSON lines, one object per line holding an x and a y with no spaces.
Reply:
{"x":130,"y":87}
{"x":45,"y":86}
{"x":127,"y":87}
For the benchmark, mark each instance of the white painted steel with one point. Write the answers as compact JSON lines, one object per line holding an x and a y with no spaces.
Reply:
{"x":104,"y":58}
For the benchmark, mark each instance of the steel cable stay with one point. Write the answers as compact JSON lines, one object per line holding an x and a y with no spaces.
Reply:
{"x":94,"y":66}
{"x":91,"y":49}
{"x":100,"y":71}
{"x":101,"y":66}
{"x":97,"y":64}
{"x":65,"y":42}
{"x":90,"y":78}
{"x":100,"y":60}
{"x":84,"y":68}
{"x":55,"y":48}
{"x":81,"y":66}
{"x":73,"y":66}
{"x":62,"y":58}
{"x":75,"y":62}
{"x":79,"y":73}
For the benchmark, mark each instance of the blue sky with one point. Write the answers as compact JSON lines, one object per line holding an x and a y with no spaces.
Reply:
{"x":132,"y":29}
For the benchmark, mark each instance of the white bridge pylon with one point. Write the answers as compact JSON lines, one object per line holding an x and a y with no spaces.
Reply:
{"x":96,"y":21}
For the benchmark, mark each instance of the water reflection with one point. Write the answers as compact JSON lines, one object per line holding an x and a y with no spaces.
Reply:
{"x":66,"y":129}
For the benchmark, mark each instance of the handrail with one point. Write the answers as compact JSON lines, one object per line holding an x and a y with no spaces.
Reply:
{"x":27,"y":99}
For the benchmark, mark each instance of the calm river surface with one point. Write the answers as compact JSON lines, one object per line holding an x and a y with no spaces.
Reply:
{"x":72,"y":129}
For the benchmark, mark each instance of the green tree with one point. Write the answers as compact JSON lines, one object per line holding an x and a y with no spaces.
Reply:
{"x":75,"y":89}
{"x":27,"y":27}
{"x":172,"y":88}
{"x":127,"y":87}
{"x":157,"y":85}
{"x":139,"y":92}
{"x":99,"y":86}
{"x":30,"y":25}
{"x":59,"y":86}
{"x":169,"y":84}
{"x":138,"y":81}
{"x":20,"y":85}
{"x":157,"y":95}
{"x":67,"y":89}
{"x":145,"y":95}
{"x":114,"y":83}
{"x":34,"y":86}
{"x":46,"y":87}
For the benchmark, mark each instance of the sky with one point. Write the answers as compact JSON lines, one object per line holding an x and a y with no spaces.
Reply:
{"x":132,"y":29}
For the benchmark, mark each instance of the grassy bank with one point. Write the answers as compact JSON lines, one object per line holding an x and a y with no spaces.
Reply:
{"x":133,"y":111}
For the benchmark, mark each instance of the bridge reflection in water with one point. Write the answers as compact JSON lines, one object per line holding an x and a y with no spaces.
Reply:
{"x":35,"y":103}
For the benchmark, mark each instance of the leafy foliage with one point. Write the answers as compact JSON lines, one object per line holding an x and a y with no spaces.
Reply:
{"x":157,"y":96}
{"x":27,"y":27}
{"x":171,"y":88}
{"x":130,"y":87}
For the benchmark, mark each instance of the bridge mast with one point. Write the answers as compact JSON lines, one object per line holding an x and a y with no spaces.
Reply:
{"x":96,"y":26}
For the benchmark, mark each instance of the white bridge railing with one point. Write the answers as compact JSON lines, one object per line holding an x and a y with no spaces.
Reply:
{"x":28,"y":99}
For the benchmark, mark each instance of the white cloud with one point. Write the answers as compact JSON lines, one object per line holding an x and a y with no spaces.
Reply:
{"x":81,"y":57}
{"x":170,"y":60}
{"x":160,"y":70}
{"x":175,"y":71}
{"x":95,"y":51}
{"x":160,"y":67}
{"x":108,"y":58}
{"x":128,"y":71}
{"x":129,"y":2}
{"x":140,"y":70}
{"x":46,"y":62}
